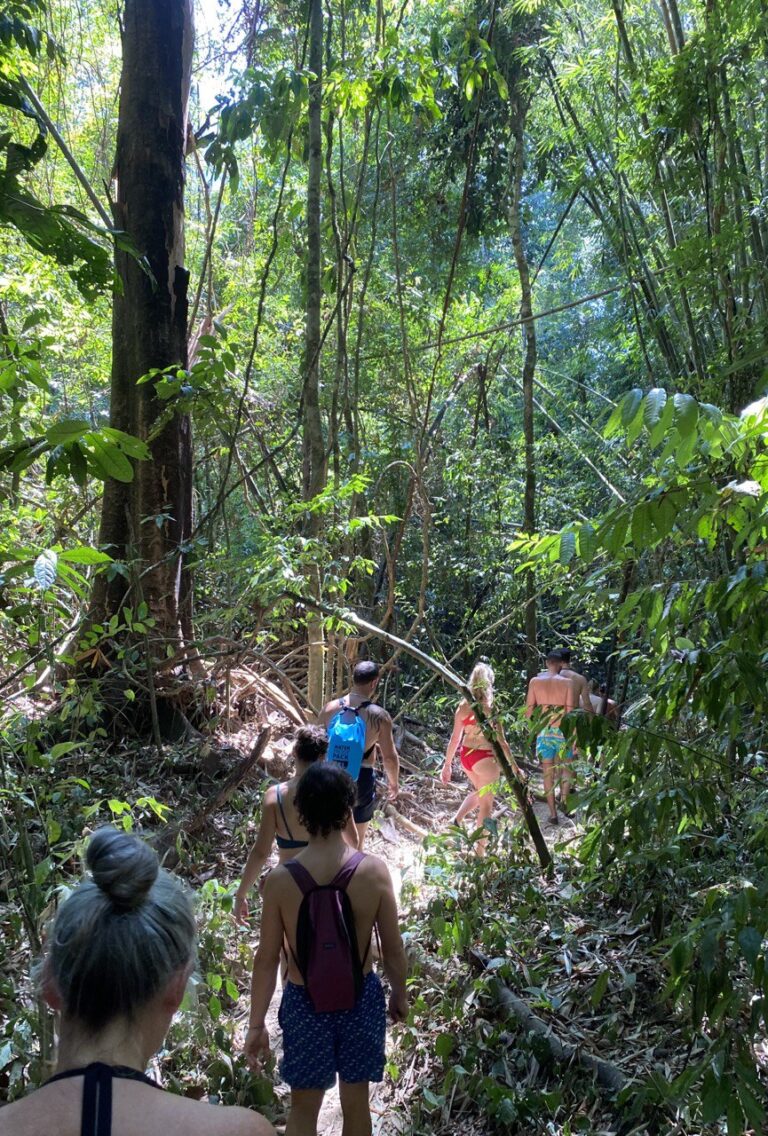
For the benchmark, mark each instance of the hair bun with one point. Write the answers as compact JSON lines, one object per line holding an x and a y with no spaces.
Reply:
{"x":122,"y":866}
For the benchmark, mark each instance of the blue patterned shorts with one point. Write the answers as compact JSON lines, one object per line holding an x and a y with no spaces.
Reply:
{"x":552,"y":746}
{"x":318,"y":1046}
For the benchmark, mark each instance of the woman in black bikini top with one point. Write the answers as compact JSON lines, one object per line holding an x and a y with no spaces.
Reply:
{"x":280,"y":823}
{"x":119,"y":956}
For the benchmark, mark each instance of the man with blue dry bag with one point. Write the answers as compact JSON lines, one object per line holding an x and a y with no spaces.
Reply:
{"x":356,"y":725}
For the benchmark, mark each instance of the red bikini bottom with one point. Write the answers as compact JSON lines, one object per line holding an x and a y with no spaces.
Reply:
{"x":469,"y":756}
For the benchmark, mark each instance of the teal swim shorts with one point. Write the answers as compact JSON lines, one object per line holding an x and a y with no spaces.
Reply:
{"x":552,"y":746}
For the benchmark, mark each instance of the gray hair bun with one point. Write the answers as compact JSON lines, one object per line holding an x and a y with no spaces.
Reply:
{"x":122,"y":866}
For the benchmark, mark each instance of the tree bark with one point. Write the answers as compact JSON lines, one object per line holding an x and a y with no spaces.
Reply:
{"x":313,"y":448}
{"x":148,"y":520}
{"x":518,"y":113}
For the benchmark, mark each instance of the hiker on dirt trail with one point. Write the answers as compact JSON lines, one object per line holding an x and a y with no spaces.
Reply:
{"x":475,"y":752}
{"x":280,"y":823}
{"x":345,"y":715}
{"x":556,"y":696}
{"x":599,"y":698}
{"x":117,"y":963}
{"x":580,"y":683}
{"x":326,"y":903}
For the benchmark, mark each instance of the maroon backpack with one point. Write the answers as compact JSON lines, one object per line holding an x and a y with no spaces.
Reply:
{"x":326,"y":941}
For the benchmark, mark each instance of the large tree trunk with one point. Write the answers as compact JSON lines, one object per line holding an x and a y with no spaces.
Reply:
{"x":518,"y":114}
{"x":146,"y":521}
{"x":313,"y":452}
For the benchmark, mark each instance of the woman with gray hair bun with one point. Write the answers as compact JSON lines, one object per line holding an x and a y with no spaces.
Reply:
{"x":119,"y":956}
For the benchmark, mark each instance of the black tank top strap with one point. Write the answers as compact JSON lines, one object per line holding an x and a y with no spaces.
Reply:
{"x":282,"y":813}
{"x":97,"y":1093}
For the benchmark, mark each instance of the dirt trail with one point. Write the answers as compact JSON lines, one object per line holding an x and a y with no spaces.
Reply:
{"x":431,"y":805}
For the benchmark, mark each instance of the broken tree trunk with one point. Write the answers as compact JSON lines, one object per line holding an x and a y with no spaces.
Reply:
{"x":608,"y":1075}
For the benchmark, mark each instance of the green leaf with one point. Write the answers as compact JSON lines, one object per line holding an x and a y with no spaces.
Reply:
{"x":643,"y":534}
{"x":78,"y":466}
{"x":432,"y":1099}
{"x":750,"y":941}
{"x":567,"y":546}
{"x":46,"y":569}
{"x":663,"y":512}
{"x":734,"y":1116}
{"x":63,"y":747}
{"x":69,"y":430}
{"x":629,"y":405}
{"x":615,"y":534}
{"x":654,"y":403}
{"x":444,"y":1045}
{"x":109,"y":460}
{"x":83,"y":554}
{"x":130,"y":445}
{"x":686,"y":414}
{"x":587,"y":542}
{"x":753,"y":1109}
{"x":599,"y":989}
{"x":714,"y":1097}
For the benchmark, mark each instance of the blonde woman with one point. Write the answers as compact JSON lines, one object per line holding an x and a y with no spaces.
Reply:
{"x":475,"y":751}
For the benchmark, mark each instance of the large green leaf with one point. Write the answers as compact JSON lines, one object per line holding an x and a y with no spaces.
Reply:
{"x":85,"y":555}
{"x":567,"y":546}
{"x":108,"y":460}
{"x":587,"y":541}
{"x":130,"y":445}
{"x":686,"y":414}
{"x":653,"y":405}
{"x":46,"y":569}
{"x":643,"y":535}
{"x":68,"y":430}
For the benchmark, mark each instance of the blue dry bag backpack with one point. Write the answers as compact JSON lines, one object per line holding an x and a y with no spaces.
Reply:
{"x":346,"y":738}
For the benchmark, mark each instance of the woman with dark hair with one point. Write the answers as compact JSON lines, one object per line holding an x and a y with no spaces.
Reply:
{"x":119,"y":956}
{"x":280,"y":822}
{"x":322,"y":1038}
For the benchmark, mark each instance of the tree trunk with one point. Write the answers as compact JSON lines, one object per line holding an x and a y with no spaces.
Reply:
{"x":148,"y":520}
{"x":313,"y":449}
{"x":518,"y":114}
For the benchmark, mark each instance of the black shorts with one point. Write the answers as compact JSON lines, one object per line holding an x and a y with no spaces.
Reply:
{"x":366,"y":795}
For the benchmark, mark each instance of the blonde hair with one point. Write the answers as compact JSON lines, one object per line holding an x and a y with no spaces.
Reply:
{"x":480,"y":682}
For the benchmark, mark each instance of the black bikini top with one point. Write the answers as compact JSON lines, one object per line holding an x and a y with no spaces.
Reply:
{"x":97,"y":1093}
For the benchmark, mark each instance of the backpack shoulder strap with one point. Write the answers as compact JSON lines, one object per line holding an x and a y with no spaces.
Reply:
{"x":346,"y":871}
{"x":301,"y":877}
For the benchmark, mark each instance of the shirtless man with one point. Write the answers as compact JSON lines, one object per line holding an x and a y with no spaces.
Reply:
{"x":378,"y":732}
{"x":580,"y":684}
{"x":599,"y":698}
{"x":318,"y":1046}
{"x":551,"y":691}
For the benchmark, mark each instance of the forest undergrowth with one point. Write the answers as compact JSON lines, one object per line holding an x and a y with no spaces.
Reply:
{"x":537,"y":1005}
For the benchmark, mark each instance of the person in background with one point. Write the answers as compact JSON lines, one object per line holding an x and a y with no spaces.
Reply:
{"x":580,"y":683}
{"x":599,"y":699}
{"x":378,"y":732}
{"x":118,"y":958}
{"x":476,"y":754}
{"x":319,"y":1045}
{"x":554,"y":696}
{"x":280,"y":823}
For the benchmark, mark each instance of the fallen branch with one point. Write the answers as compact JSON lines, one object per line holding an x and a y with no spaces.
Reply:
{"x":391,"y":812}
{"x":608,"y":1075}
{"x":166,"y":839}
{"x":484,"y":722}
